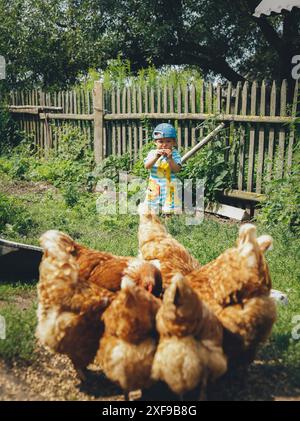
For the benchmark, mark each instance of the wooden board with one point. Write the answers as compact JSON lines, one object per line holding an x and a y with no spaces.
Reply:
{"x":228,"y":211}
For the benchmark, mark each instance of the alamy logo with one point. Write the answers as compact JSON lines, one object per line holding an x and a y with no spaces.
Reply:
{"x":2,"y":327}
{"x":296,"y":69}
{"x":2,"y":68}
{"x":296,"y":328}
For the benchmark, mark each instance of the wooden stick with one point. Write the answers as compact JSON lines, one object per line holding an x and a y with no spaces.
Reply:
{"x":203,"y":142}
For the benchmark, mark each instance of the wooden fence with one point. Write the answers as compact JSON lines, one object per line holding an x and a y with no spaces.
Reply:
{"x":121,"y":120}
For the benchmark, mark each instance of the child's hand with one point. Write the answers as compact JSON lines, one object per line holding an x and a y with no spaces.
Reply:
{"x":168,"y":153}
{"x":159,"y":152}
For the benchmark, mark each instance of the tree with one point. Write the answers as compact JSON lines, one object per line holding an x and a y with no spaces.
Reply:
{"x":52,"y":43}
{"x":47,"y":43}
{"x":222,"y":37}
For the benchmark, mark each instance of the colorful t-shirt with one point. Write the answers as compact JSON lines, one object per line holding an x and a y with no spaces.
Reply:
{"x":162,"y":191}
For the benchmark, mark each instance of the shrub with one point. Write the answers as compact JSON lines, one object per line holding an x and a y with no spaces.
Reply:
{"x":210,"y":165}
{"x":72,"y":162}
{"x":9,"y":133}
{"x":110,"y":167}
{"x":282,"y":203}
{"x":139,"y":168}
{"x":14,"y":215}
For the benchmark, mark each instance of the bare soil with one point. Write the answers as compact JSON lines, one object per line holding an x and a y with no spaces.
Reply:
{"x":52,"y":378}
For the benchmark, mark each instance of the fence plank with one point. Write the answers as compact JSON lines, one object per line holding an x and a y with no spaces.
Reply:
{"x":130,"y":125}
{"x":33,"y":128}
{"x":292,"y":130}
{"x":171,"y":98}
{"x":165,"y":99}
{"x":219,"y":99}
{"x":179,"y":122}
{"x":98,"y":121}
{"x":242,"y":139}
{"x":113,"y":135}
{"x":186,"y":110}
{"x":193,"y":110}
{"x":209,"y":99}
{"x":22,"y":103}
{"x":202,"y":106}
{"x":152,"y":100}
{"x":158,"y":99}
{"x":37,"y":123}
{"x":237,"y":98}
{"x":27,"y":130}
{"x":55,"y":140}
{"x":83,"y":109}
{"x":271,"y":132}
{"x":251,"y":155}
{"x":47,"y":127}
{"x":146,"y":100}
{"x":63,"y":103}
{"x":89,"y":97}
{"x":228,"y":98}
{"x":140,"y":110}
{"x":261,"y":140}
{"x":42,"y":129}
{"x":281,"y":145}
{"x":125,"y":123}
{"x":119,"y":132}
{"x":75,"y":109}
{"x":228,"y":110}
{"x":135,"y":128}
{"x":234,"y":131}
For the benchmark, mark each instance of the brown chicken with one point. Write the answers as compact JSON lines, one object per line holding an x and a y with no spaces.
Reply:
{"x":236,"y":285}
{"x":76,"y":285}
{"x":155,"y":243}
{"x":240,"y":284}
{"x":190,"y":353}
{"x":129,"y":342}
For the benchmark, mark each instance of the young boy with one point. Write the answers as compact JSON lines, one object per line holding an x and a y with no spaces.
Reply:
{"x":163,"y":162}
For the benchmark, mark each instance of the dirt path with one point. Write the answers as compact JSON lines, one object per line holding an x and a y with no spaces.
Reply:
{"x":52,"y":377}
{"x":19,"y":187}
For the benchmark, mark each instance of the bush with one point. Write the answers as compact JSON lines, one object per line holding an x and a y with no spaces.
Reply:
{"x":71,"y":163}
{"x":210,"y":165}
{"x":139,"y":168}
{"x":282,"y":204}
{"x":14,"y":216}
{"x":111,"y":166}
{"x":9,"y":133}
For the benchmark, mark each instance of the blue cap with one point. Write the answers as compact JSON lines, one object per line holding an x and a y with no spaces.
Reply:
{"x":164,"y":130}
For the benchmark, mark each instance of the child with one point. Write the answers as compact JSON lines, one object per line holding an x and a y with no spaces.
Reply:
{"x":163,"y":163}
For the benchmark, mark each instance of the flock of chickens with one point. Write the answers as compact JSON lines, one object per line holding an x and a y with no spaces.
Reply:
{"x":160,"y":317}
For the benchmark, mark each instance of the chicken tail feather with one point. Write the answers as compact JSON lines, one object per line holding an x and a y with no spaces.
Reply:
{"x":250,"y":246}
{"x":58,"y":259}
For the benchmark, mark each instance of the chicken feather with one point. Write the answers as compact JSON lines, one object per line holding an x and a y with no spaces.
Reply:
{"x":76,"y":285}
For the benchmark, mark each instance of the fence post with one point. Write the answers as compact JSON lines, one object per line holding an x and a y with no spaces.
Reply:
{"x":98,"y":120}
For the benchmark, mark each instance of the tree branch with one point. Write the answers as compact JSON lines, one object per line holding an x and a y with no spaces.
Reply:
{"x":267,"y":29}
{"x":205,"y":56}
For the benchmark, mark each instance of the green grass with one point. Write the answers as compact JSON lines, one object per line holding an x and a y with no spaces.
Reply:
{"x":20,"y":329}
{"x":8,"y":290}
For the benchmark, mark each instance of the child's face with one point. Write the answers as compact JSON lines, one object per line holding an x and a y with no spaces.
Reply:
{"x":165,"y":143}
